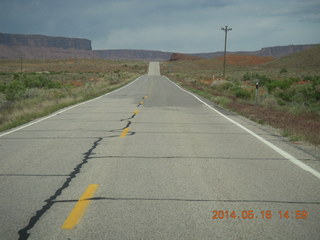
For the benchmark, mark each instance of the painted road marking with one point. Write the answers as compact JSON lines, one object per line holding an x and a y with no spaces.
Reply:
{"x":141,"y":102}
{"x":80,"y":207}
{"x":136,"y":112}
{"x":269,"y":144}
{"x":124,"y":132}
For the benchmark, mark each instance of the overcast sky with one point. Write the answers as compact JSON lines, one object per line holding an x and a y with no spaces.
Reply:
{"x":168,"y":25}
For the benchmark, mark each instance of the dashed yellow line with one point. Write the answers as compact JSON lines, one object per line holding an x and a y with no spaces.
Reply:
{"x":124,"y":132}
{"x":80,"y":207}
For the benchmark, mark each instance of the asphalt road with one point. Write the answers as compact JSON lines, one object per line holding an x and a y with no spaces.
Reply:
{"x":151,"y":161}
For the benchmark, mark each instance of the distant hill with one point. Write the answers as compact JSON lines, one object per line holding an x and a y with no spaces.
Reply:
{"x":309,"y":58}
{"x":276,"y":52}
{"x":13,"y":46}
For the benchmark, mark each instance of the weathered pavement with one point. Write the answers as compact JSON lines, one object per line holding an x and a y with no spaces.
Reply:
{"x":162,"y":162}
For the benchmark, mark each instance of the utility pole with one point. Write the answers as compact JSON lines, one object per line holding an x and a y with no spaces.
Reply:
{"x":225,"y":29}
{"x":21,"y":63}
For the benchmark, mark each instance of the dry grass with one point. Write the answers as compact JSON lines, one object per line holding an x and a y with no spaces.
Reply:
{"x":298,"y":121}
{"x":302,"y":126}
{"x":79,"y":79}
{"x":72,"y":66}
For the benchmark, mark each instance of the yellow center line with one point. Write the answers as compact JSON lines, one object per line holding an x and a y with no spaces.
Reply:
{"x":80,"y":207}
{"x":124,"y":132}
{"x":141,"y":102}
{"x":136,"y":112}
{"x":146,"y":96}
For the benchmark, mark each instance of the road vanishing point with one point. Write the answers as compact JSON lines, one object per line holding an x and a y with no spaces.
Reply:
{"x":153,"y":161}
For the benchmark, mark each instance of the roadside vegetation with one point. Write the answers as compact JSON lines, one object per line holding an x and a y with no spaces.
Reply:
{"x":288,"y":97}
{"x":46,"y":86}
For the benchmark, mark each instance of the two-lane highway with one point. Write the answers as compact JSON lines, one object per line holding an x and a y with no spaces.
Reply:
{"x":151,"y":161}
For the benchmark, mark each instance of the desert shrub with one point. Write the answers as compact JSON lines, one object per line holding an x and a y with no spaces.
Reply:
{"x":38,"y":81}
{"x":2,"y":87}
{"x":285,"y":96}
{"x":221,"y":85}
{"x":282,"y":84}
{"x":226,"y":86}
{"x":14,"y":90}
{"x":262,"y":79}
{"x":4,"y":74}
{"x":247,"y":77}
{"x":113,"y":79}
{"x":306,"y":93}
{"x":313,"y":79}
{"x":283,"y":70}
{"x":242,"y":93}
{"x":303,"y":94}
{"x":223,"y":101}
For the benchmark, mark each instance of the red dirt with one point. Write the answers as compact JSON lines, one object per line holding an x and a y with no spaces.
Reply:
{"x":305,"y":124}
{"x":246,"y":60}
{"x":77,"y":83}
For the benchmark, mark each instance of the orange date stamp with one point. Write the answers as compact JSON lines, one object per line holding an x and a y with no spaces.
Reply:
{"x":265,"y":214}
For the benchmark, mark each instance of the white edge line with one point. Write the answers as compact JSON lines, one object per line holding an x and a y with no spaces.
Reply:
{"x":269,"y":144}
{"x":64,"y":110}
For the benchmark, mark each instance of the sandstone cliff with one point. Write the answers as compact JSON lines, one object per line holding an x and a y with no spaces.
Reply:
{"x":14,"y":46}
{"x":276,"y":52}
{"x":35,"y":41}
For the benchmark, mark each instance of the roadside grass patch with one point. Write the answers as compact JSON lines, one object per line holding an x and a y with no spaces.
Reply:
{"x":30,"y":95}
{"x":289,"y":100}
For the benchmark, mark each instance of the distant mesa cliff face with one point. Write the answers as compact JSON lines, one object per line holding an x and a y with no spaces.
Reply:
{"x":44,"y":41}
{"x":15,"y":46}
{"x":276,"y":52}
{"x":282,"y":51}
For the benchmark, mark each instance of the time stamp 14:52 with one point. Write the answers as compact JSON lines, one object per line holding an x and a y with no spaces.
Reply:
{"x":265,"y":214}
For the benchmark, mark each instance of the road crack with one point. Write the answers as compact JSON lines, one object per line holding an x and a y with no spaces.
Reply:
{"x":24,"y":232}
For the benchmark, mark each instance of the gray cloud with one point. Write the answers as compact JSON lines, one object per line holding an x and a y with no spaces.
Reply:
{"x":168,"y":25}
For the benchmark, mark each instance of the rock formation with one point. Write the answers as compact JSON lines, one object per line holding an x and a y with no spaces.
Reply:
{"x":44,"y":41}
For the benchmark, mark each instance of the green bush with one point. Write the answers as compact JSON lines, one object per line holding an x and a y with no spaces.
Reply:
{"x":262,"y":79}
{"x":305,"y":94}
{"x":2,"y":87}
{"x":283,"y":70}
{"x":14,"y":90}
{"x":242,"y":93}
{"x":247,"y":77}
{"x":38,"y":81}
{"x":282,"y":84}
{"x":226,"y":86}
